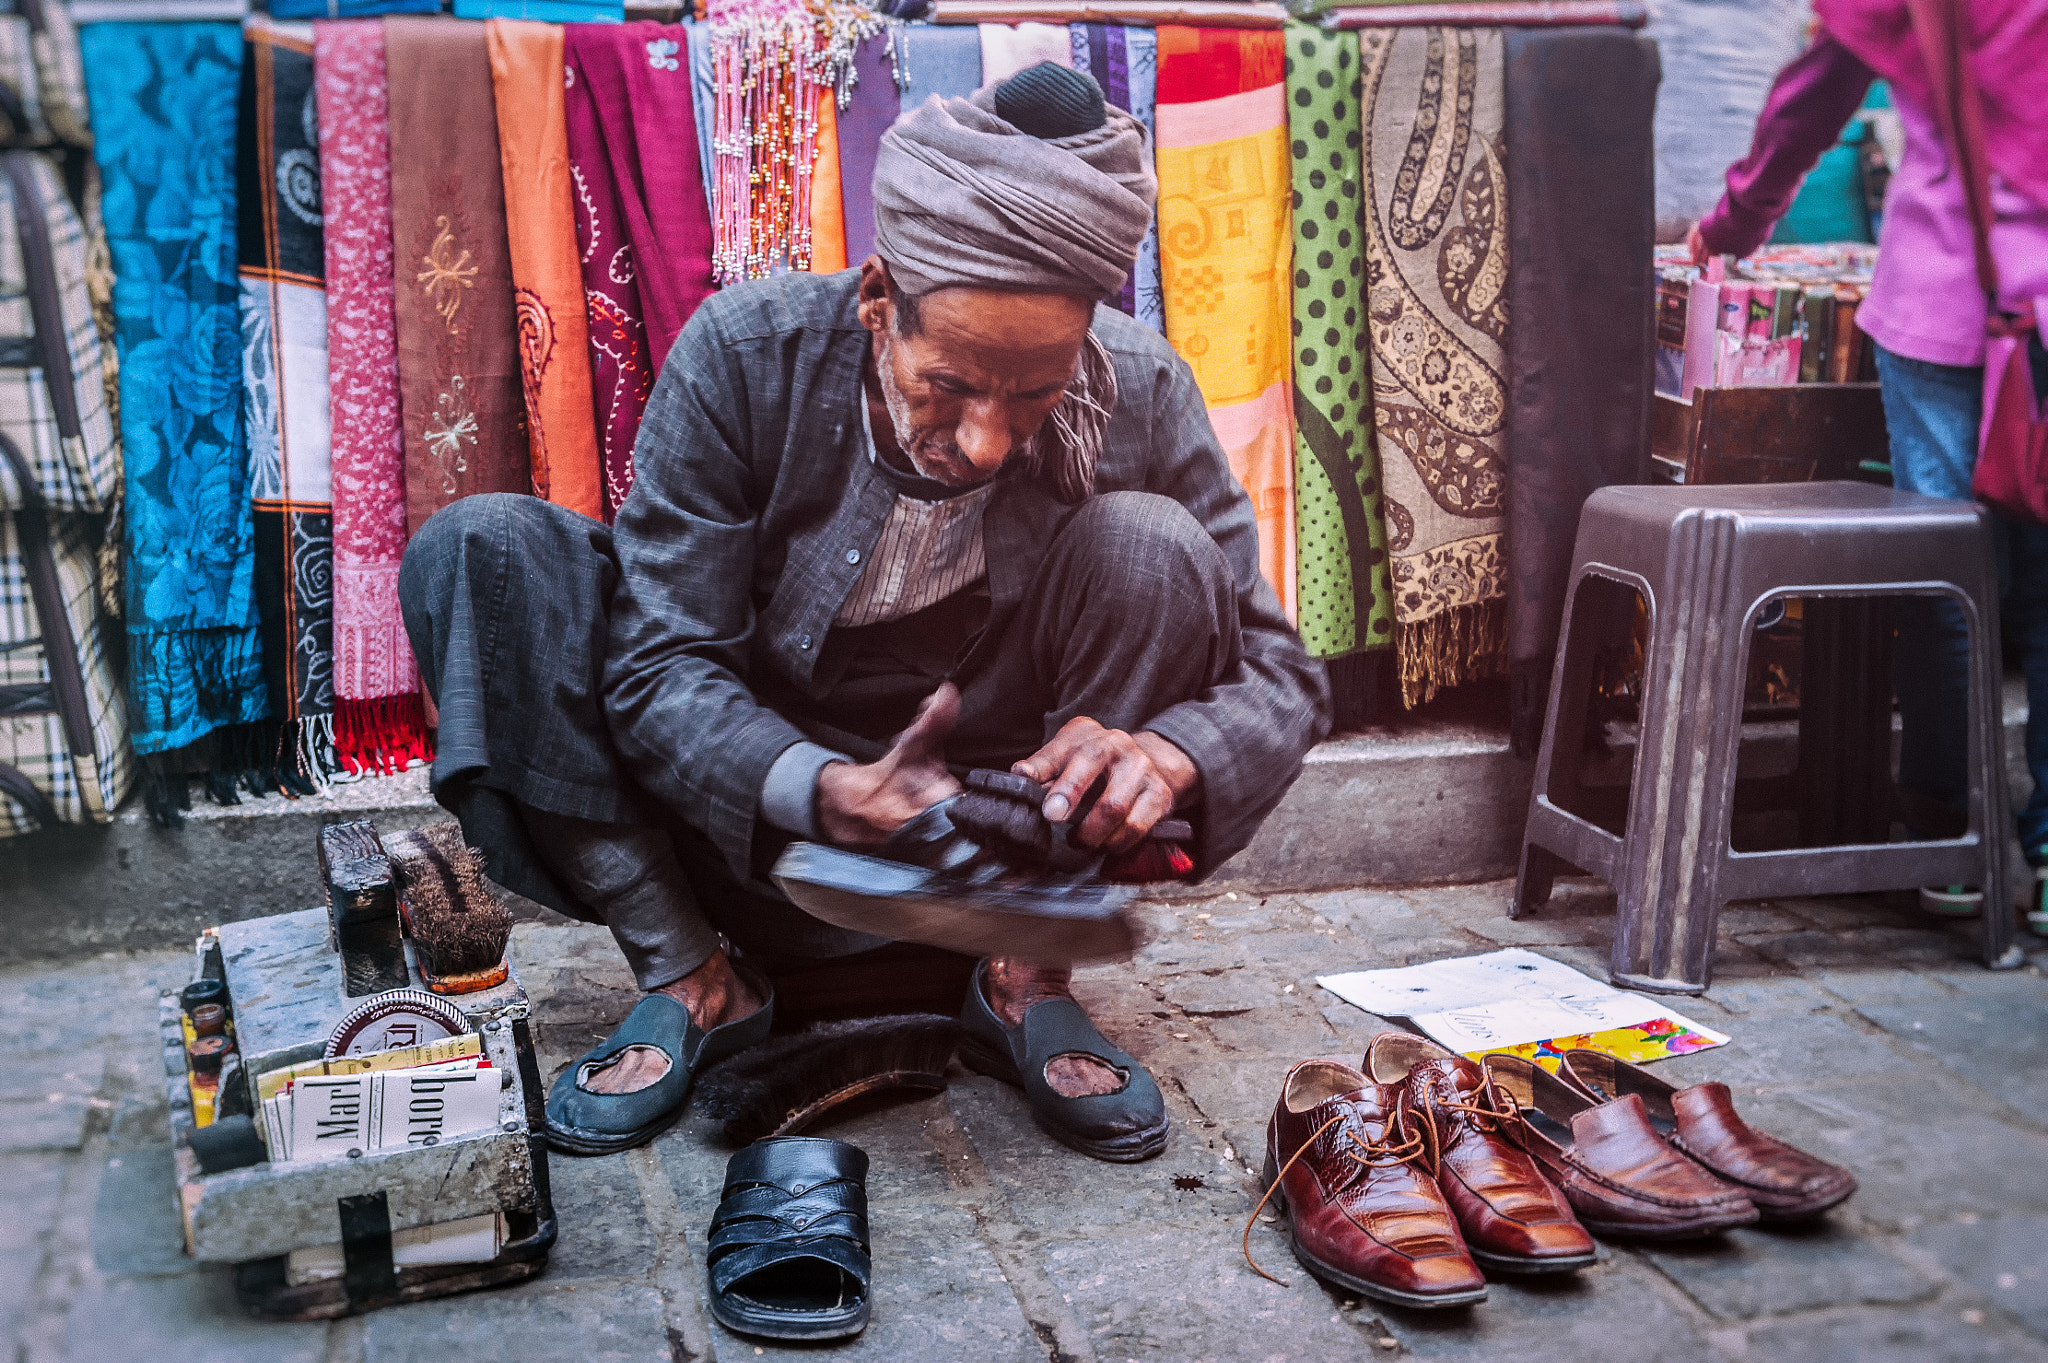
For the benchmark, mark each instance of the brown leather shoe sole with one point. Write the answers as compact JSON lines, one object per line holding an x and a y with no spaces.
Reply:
{"x":1337,"y":1277}
{"x":1508,"y":1263}
{"x":1685,"y":1230}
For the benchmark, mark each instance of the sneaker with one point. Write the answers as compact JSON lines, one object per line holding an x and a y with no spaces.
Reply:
{"x":1952,"y":901}
{"x":2037,"y":906}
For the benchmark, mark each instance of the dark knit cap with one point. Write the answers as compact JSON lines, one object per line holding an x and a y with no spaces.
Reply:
{"x":1051,"y":101}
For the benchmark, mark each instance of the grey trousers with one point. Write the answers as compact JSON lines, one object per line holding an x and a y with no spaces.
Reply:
{"x":1134,"y":610}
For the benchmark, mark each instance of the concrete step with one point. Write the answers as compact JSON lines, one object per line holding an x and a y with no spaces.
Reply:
{"x":1437,"y":800}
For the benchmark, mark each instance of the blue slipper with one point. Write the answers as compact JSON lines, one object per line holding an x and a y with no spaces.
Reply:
{"x":1123,"y":1127}
{"x":581,"y":1122}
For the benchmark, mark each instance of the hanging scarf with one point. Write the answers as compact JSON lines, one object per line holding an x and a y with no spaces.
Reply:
{"x":164,"y":103}
{"x":642,"y":222}
{"x":554,"y":338}
{"x":828,"y":204}
{"x":703,"y":100}
{"x":1141,"y":70}
{"x":942,"y":60}
{"x":349,"y":9}
{"x":458,"y":350}
{"x":1345,"y":605}
{"x":1098,"y":51}
{"x":1581,"y":175}
{"x":284,"y":373}
{"x":379,"y":724}
{"x":1225,"y":256}
{"x":874,"y":106}
{"x":1436,"y":251}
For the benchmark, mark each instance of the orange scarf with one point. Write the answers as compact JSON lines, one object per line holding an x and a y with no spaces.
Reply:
{"x":554,"y":337}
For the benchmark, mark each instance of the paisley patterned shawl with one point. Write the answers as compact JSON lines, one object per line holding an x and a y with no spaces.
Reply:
{"x":643,"y":222}
{"x":1436,"y":268}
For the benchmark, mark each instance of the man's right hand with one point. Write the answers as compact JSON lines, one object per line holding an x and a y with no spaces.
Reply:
{"x":861,"y":806}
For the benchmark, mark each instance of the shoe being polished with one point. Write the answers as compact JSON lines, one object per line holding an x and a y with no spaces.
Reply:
{"x":1514,"y":1219}
{"x":1784,"y":1182}
{"x":1349,"y":1161}
{"x":1621,"y":1176}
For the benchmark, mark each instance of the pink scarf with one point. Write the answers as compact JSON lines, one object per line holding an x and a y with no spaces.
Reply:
{"x":2006,"y":49}
{"x":378,"y":720}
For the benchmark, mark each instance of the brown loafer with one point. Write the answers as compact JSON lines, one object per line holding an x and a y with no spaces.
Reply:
{"x":1514,"y":1219}
{"x":1349,"y":1162}
{"x":1622,"y":1177}
{"x":1784,"y":1182}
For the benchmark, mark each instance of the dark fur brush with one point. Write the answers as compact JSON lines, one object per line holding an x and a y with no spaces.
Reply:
{"x":794,"y":1083}
{"x":457,"y":923}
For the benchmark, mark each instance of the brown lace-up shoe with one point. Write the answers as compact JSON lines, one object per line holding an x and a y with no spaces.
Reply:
{"x":1350,"y":1161}
{"x":1784,"y":1182}
{"x":1621,"y":1176}
{"x":1514,"y":1219}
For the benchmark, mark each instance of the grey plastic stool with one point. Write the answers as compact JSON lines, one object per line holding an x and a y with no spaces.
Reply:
{"x":1706,"y":560}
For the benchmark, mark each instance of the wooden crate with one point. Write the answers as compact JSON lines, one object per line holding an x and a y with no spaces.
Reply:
{"x":285,"y":981}
{"x":1799,"y":433}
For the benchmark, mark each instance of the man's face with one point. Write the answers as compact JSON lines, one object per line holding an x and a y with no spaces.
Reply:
{"x":979,"y":377}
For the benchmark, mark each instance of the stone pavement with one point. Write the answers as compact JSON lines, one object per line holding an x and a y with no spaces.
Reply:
{"x":1861,"y":1031}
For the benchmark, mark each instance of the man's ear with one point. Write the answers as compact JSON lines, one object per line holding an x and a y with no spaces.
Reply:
{"x":877,"y":308}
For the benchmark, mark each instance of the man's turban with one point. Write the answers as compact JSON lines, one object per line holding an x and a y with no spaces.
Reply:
{"x":964,"y":197}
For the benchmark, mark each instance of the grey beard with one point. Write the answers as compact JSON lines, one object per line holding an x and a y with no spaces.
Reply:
{"x":907,"y":437}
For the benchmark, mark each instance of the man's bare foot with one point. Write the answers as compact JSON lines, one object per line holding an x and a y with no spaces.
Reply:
{"x":714,"y":993}
{"x":1013,"y":986}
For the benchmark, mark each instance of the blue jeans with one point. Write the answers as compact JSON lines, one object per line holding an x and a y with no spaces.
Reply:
{"x":1932,"y":411}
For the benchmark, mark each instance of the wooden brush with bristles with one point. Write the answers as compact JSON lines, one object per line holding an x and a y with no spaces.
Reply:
{"x":457,"y":923}
{"x":797,"y":1083}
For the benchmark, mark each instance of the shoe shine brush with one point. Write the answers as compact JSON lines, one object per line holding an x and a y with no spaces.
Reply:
{"x":458,"y":925}
{"x":796,"y":1083}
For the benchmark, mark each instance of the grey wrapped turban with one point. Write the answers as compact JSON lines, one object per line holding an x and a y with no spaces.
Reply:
{"x":963,"y":198}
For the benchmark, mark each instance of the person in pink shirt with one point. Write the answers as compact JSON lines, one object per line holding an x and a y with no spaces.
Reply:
{"x":1927,"y":315}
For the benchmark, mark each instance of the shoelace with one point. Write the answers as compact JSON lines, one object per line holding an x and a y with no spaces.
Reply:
{"x":1380,"y":1154}
{"x":1490,"y":1109}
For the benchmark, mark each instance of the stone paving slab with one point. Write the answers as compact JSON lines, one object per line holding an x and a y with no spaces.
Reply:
{"x":992,"y":1242}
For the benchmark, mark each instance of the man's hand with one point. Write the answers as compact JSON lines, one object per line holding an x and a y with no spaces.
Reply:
{"x":1696,"y":245}
{"x":1146,"y":777}
{"x":860,"y":806}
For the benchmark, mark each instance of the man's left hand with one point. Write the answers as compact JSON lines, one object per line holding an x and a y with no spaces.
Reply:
{"x":1145,"y":779}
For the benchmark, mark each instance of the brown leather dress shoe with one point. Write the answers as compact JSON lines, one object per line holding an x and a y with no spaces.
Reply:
{"x":1350,"y":1161}
{"x":1623,"y":1179}
{"x":1514,"y":1219}
{"x":1784,"y":1182}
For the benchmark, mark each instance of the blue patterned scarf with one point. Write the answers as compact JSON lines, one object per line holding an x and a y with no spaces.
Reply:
{"x":163,"y":100}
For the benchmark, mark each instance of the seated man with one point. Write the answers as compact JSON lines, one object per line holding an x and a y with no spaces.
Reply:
{"x":937,"y":513}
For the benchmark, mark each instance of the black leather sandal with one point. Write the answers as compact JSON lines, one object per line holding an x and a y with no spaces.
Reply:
{"x":789,"y":1245}
{"x":1123,"y":1127}
{"x":583,"y":1122}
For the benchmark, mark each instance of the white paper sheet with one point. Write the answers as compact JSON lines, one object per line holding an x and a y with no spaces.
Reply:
{"x":1460,"y":982}
{"x":1504,"y":998}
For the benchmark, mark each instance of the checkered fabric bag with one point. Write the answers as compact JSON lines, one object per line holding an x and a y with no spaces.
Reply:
{"x":57,"y":415}
{"x":42,"y":77}
{"x":64,"y":755}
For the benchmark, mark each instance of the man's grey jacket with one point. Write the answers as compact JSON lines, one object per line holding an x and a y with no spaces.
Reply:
{"x":753,"y":511}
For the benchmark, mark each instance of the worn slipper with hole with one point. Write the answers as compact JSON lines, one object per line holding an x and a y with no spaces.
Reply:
{"x":1123,"y":1127}
{"x":584,"y":1122}
{"x":788,"y":1256}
